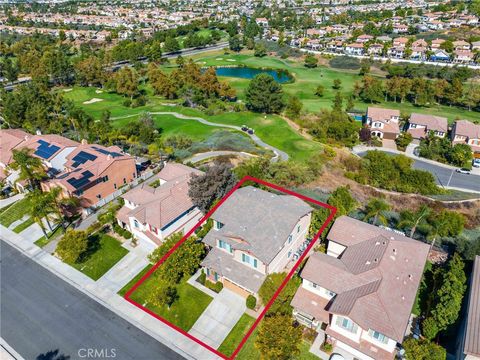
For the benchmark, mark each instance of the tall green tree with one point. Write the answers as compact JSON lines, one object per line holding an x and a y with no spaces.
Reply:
{"x":411,"y":220}
{"x":73,"y":244}
{"x":342,"y":200}
{"x":264,"y":94}
{"x":423,"y":350}
{"x":127,"y":82}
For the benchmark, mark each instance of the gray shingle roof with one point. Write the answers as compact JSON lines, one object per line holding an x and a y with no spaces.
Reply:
{"x":257,"y":221}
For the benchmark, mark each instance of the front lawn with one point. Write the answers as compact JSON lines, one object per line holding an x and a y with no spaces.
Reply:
{"x":184,"y":312}
{"x":236,"y":335}
{"x":132,"y":282}
{"x":104,"y":251}
{"x":11,"y":213}
{"x":19,"y":228}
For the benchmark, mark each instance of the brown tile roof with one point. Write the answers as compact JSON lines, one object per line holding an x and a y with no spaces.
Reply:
{"x":432,"y":122}
{"x":467,"y":128}
{"x":472,"y":336}
{"x":375,"y":279}
{"x":162,"y":205}
{"x":311,"y":304}
{"x":9,"y":139}
{"x":381,"y":114}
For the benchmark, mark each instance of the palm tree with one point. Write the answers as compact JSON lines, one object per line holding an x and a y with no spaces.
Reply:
{"x":58,"y":203}
{"x":376,"y":209}
{"x":412,"y":219}
{"x":29,"y":168}
{"x":39,"y":209}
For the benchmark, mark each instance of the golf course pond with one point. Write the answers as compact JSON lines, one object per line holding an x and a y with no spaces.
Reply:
{"x":281,"y":76}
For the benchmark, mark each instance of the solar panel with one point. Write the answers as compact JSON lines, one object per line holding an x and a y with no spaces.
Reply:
{"x":81,"y":158}
{"x":106,"y":152}
{"x":46,"y":150}
{"x":80,"y":182}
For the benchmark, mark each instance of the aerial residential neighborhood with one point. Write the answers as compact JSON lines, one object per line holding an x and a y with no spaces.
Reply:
{"x":269,"y":179}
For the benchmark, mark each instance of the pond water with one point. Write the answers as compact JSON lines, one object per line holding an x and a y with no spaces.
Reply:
{"x":280,"y":76}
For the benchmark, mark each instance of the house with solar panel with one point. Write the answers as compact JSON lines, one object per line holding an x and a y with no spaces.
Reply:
{"x":160,"y":207}
{"x":359,"y":295}
{"x":93,"y":172}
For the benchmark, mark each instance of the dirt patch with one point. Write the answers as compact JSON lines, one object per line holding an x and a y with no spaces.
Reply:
{"x":92,"y":101}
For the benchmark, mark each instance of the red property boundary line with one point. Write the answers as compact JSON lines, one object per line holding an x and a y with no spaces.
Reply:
{"x":332,"y":209}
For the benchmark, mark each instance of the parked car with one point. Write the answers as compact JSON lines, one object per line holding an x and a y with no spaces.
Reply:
{"x":476,"y":163}
{"x":251,"y":131}
{"x":463,"y":171}
{"x":244,"y":128}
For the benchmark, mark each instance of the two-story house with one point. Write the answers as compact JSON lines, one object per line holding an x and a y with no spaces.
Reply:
{"x":93,"y":172}
{"x":359,"y":295}
{"x":255,"y":233}
{"x":383,"y":122}
{"x":160,"y":207}
{"x":420,"y":125}
{"x":466,"y":132}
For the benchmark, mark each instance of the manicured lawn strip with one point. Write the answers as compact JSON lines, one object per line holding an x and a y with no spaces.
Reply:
{"x":105,"y":252}
{"x":14,"y":212}
{"x":232,"y":340}
{"x":19,"y":228}
{"x":132,"y":282}
{"x":184,"y":312}
{"x":44,"y":241}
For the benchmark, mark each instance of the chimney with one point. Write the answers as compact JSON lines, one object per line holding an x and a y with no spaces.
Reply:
{"x":84,"y":142}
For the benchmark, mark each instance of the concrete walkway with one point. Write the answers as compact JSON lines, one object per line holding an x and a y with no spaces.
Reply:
{"x":279,"y":154}
{"x":10,"y":200}
{"x":108,"y":298}
{"x":218,"y":319}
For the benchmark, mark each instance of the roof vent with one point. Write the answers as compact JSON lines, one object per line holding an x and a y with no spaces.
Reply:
{"x":410,"y":276}
{"x":403,"y":297}
{"x":394,"y":251}
{"x":377,"y":243}
{"x":398,"y":277}
{"x":367,"y":262}
{"x":406,"y":259}
{"x":375,"y":260}
{"x":384,"y":242}
{"x":392,"y":238}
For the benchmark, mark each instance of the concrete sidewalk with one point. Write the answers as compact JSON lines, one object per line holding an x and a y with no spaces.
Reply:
{"x":219,"y":318}
{"x":108,"y":297}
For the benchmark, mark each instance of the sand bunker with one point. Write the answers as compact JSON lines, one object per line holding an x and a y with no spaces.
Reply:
{"x":91,"y":101}
{"x":98,"y":91}
{"x":67,"y":90}
{"x":231,"y":60}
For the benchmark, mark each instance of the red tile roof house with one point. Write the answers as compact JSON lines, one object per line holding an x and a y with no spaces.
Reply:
{"x":9,"y":139}
{"x":360,"y":294}
{"x":383,"y":122}
{"x":255,"y":233}
{"x":154,"y":213}
{"x":94,"y":172}
{"x":420,"y":125}
{"x":466,"y":132}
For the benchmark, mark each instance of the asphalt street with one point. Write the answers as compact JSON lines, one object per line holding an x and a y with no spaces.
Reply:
{"x":45,"y":318}
{"x":446,"y":176}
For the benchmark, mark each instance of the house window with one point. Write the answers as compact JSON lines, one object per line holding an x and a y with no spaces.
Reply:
{"x":290,"y":253}
{"x":298,"y":228}
{"x":314,"y":285}
{"x":135,"y":223}
{"x":105,"y":178}
{"x":124,"y":180}
{"x":99,"y":196}
{"x":217,"y":225}
{"x":208,"y":272}
{"x":378,"y":336}
{"x":115,"y":186}
{"x":290,"y":239}
{"x":347,"y":324}
{"x":225,"y":246}
{"x":249,"y":260}
{"x":329,"y":293}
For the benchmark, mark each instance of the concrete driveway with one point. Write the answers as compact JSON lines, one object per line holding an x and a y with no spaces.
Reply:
{"x":218,"y":319}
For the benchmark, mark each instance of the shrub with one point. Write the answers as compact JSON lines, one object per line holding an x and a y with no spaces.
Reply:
{"x":345,"y":62}
{"x":127,"y":102}
{"x":251,"y":302}
{"x":202,"y":278}
{"x":217,"y":287}
{"x":327,"y":347}
{"x":430,"y":328}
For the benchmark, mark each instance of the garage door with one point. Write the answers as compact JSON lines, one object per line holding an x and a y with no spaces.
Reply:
{"x":237,"y":289}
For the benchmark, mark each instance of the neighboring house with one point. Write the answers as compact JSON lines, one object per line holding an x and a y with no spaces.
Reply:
{"x":420,"y":125}
{"x":157,"y":209}
{"x":360,"y":294}
{"x":466,"y":132}
{"x":440,"y":55}
{"x":471,"y":334}
{"x":463,"y":56}
{"x":9,"y":140}
{"x":93,"y":172}
{"x":383,"y":122}
{"x":354,"y":49}
{"x":255,"y":233}
{"x":263,"y":22}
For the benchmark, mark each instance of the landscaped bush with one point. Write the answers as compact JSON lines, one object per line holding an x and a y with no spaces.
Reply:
{"x":225,"y":140}
{"x":202,"y":278}
{"x":327,"y":347}
{"x":251,"y":302}
{"x":345,"y":62}
{"x":217,"y":287}
{"x":122,"y":232}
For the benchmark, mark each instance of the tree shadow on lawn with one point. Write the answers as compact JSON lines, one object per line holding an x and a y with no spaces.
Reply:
{"x":93,"y":246}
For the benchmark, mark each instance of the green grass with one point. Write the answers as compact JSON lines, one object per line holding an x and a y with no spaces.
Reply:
{"x":104,"y":252}
{"x":184,"y":312}
{"x":14,"y":212}
{"x":306,"y":81}
{"x":43,"y":241}
{"x":232,"y":340}
{"x":19,"y":228}
{"x":272,"y":129}
{"x":132,"y":282}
